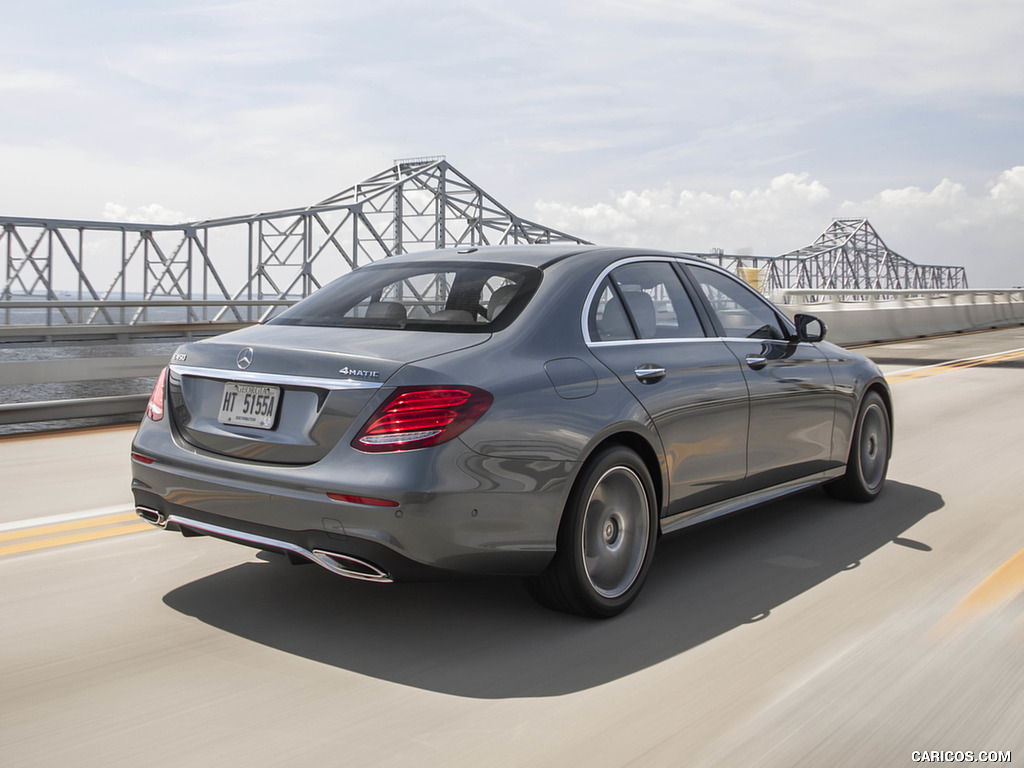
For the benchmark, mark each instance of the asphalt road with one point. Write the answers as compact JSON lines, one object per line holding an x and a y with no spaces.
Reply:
{"x":807,"y":632}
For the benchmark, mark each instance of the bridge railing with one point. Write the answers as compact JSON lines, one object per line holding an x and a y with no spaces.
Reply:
{"x":852,"y":317}
{"x":167,"y":321}
{"x":72,"y":312}
{"x":860,"y":317}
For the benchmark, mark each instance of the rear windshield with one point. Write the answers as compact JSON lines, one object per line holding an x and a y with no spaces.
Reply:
{"x":435,"y":296}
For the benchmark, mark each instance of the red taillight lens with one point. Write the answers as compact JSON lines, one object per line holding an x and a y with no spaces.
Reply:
{"x":418,"y":417}
{"x":155,"y":407}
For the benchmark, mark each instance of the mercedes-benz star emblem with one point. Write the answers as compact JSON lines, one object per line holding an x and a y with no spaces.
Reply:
{"x":244,"y":358}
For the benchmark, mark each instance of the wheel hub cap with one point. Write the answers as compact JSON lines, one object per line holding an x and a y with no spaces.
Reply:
{"x":616,"y":529}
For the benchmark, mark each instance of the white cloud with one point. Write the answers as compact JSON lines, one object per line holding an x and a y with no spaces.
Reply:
{"x":35,"y":81}
{"x":949,"y":225}
{"x":780,"y":216}
{"x":154,"y":213}
{"x":224,"y":107}
{"x":944,"y":225}
{"x":902,"y":47}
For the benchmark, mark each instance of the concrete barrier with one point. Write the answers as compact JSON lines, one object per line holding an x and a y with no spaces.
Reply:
{"x":852,"y":317}
{"x":860,"y":317}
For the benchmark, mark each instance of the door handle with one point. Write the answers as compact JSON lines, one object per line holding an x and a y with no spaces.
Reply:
{"x":648,"y":374}
{"x":757,"y":362}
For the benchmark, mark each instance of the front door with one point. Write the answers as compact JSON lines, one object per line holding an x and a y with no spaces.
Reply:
{"x":792,"y":394}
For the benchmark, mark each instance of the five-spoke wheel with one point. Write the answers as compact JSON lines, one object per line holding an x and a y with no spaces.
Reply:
{"x":606,"y":539}
{"x":868,"y":461}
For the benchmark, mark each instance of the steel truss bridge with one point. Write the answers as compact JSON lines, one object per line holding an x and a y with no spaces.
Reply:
{"x":241,"y":269}
{"x":848,"y":255}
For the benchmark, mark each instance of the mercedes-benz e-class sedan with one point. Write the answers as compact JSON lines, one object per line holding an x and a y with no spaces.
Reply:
{"x":542,"y":411}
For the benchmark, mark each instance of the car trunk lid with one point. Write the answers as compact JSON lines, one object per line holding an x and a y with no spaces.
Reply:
{"x":287,"y":394}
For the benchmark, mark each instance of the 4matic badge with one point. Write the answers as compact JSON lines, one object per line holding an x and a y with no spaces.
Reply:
{"x":346,"y":371}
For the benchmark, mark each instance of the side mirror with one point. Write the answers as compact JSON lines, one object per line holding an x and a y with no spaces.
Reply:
{"x":809,"y":328}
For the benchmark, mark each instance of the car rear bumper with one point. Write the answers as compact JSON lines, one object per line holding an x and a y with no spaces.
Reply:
{"x":483,"y":516}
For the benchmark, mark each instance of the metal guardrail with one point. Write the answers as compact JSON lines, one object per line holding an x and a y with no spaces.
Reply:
{"x":22,"y":373}
{"x":80,"y":369}
{"x":821,"y":296}
{"x":78,"y":313}
{"x":118,"y":332}
{"x":76,"y":408}
{"x":35,"y":372}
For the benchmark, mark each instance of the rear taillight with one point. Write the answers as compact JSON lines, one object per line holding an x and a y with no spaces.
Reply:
{"x":418,"y":417}
{"x":155,"y":407}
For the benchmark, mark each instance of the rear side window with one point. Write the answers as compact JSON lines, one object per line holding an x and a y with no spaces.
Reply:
{"x":437,"y":296}
{"x":644,"y":300}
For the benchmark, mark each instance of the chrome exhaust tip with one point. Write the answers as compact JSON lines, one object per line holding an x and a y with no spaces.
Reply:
{"x":152,"y":516}
{"x":350,"y":567}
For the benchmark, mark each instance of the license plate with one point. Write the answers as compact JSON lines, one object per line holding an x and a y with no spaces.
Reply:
{"x":249,"y":405}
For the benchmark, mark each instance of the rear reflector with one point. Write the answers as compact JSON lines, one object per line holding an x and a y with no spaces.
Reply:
{"x":155,"y":407}
{"x":418,"y":417}
{"x":368,"y":500}
{"x":142,"y":459}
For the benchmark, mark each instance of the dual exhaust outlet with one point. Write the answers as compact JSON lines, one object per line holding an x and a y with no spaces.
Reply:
{"x":341,"y":565}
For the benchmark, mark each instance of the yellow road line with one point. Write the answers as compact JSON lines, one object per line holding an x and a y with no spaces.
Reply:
{"x":77,"y":525}
{"x":59,"y":541}
{"x":998,"y":588}
{"x":48,"y":536}
{"x":955,"y":365}
{"x":1004,"y":582}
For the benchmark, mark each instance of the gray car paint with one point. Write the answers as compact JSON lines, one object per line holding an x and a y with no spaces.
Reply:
{"x":490,"y":501}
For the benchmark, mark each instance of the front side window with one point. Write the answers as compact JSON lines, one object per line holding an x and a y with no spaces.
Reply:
{"x":741,"y":312}
{"x":442,"y":296}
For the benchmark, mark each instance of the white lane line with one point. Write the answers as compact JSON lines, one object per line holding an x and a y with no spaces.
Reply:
{"x":955,"y":362}
{"x":68,"y":517}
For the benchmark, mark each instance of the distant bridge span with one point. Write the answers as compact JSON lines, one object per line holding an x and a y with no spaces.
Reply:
{"x":239,"y":269}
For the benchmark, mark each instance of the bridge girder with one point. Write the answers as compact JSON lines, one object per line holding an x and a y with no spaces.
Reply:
{"x":849,"y":254}
{"x":415,"y":204}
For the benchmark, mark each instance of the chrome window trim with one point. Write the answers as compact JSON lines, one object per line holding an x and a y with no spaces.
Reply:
{"x":283,"y":379}
{"x":692,"y":339}
{"x":680,"y":340}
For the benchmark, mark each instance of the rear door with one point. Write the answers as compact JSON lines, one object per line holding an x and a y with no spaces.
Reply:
{"x":642,"y":324}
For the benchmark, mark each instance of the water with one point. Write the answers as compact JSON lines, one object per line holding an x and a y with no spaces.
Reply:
{"x":86,"y":350}
{"x":28,"y":393}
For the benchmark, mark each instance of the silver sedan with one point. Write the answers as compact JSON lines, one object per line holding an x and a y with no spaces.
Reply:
{"x":540,"y":411}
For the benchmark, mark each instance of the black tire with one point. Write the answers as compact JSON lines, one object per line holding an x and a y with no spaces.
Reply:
{"x":605,"y":541}
{"x":868,"y":461}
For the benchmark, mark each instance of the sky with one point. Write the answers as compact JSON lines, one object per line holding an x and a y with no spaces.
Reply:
{"x":746,"y":125}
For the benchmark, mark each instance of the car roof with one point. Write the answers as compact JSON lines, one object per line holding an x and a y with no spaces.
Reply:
{"x":539,"y":256}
